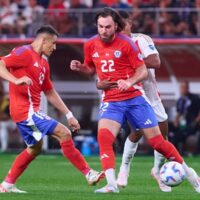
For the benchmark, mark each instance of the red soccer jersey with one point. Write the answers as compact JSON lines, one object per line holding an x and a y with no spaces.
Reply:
{"x":24,"y":100}
{"x":115,"y":60}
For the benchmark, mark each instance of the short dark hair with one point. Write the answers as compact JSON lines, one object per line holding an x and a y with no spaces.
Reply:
{"x":47,"y":29}
{"x":107,"y":11}
{"x":124,"y":14}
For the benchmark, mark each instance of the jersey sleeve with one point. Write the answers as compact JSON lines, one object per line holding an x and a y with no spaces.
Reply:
{"x":47,"y":84}
{"x":87,"y":54}
{"x":134,"y":55}
{"x":19,"y":57}
{"x":146,"y":46}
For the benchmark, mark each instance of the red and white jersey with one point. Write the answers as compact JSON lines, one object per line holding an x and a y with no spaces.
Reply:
{"x":25,"y":100}
{"x":147,"y":47}
{"x":115,"y":60}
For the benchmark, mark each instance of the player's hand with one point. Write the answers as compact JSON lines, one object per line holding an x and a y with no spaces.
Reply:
{"x":106,"y":84}
{"x":124,"y":84}
{"x":75,"y":65}
{"x":74,"y":124}
{"x":23,"y":80}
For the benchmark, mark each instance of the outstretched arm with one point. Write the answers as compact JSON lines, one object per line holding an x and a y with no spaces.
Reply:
{"x":76,"y":65}
{"x":5,"y":74}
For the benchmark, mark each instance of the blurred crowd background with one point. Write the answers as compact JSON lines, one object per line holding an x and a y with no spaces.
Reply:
{"x":167,"y":18}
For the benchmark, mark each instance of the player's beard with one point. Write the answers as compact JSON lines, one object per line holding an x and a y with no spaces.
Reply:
{"x":107,"y":38}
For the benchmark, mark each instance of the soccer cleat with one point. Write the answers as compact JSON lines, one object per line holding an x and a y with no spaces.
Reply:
{"x":122,"y":179}
{"x":162,"y":186}
{"x":93,"y":177}
{"x":2,"y":189}
{"x":12,"y":189}
{"x":107,"y":189}
{"x":194,"y":180}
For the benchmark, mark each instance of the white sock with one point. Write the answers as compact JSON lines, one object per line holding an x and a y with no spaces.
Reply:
{"x":187,"y":169}
{"x":159,"y":160}
{"x":4,"y":135}
{"x":128,"y":154}
{"x":110,"y":177}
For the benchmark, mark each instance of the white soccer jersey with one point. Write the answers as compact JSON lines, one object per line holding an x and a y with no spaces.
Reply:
{"x":147,"y":47}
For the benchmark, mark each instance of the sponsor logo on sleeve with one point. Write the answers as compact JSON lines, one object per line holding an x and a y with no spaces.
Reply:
{"x":151,"y":47}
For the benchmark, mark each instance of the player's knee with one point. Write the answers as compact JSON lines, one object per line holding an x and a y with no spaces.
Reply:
{"x":36,"y":149}
{"x":164,"y":128}
{"x":135,"y":137}
{"x":62,"y":133}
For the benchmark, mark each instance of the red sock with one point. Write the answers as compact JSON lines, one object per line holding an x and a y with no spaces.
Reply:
{"x":74,"y":156}
{"x":106,"y":140}
{"x":166,"y":148}
{"x":20,"y":164}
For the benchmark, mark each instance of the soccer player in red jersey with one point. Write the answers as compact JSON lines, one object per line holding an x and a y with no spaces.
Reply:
{"x":115,"y":56}
{"x":30,"y":63}
{"x":152,"y":61}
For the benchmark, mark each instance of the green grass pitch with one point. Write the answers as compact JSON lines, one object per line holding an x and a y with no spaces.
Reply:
{"x":51,"y":177}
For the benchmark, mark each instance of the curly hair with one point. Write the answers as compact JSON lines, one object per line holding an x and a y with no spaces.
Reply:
{"x":107,"y":11}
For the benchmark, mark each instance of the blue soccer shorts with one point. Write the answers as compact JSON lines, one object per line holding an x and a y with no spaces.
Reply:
{"x":137,"y":111}
{"x":35,"y":128}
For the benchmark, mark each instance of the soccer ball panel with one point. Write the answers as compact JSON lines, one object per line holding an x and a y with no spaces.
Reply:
{"x":172,"y":173}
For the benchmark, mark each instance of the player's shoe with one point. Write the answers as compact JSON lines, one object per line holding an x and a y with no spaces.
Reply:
{"x":194,"y":180}
{"x":93,"y":177}
{"x":122,"y":179}
{"x":107,"y":189}
{"x":12,"y":189}
{"x":162,"y":186}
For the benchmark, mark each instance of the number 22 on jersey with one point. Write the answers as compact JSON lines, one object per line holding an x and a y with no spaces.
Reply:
{"x":107,"y":66}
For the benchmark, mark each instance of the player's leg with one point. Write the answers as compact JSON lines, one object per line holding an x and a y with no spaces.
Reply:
{"x":161,"y":117}
{"x":167,"y":149}
{"x":159,"y":159}
{"x":131,"y":145}
{"x":157,"y":141}
{"x":130,"y":148}
{"x":20,"y":164}
{"x":107,"y":131}
{"x":111,"y":119}
{"x":63,"y":135}
{"x":143,"y":118}
{"x":28,"y":131}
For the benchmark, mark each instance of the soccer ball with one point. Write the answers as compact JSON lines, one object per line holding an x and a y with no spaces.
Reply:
{"x":172,"y":173}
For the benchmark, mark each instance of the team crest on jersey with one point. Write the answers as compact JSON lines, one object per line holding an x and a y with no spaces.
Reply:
{"x":117,"y":54}
{"x":151,"y":47}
